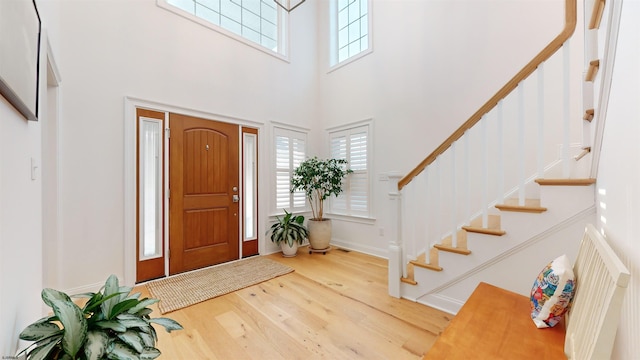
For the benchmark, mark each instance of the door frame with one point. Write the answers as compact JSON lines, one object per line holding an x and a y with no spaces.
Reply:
{"x":131,"y":192}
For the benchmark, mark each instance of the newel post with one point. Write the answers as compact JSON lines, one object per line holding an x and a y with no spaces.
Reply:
{"x":395,"y":243}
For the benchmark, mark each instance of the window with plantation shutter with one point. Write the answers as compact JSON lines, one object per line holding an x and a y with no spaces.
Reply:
{"x":291,"y":148}
{"x":352,"y":144}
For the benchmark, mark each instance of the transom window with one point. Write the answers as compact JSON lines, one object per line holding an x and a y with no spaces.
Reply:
{"x":258,"y":21}
{"x":350,"y":28}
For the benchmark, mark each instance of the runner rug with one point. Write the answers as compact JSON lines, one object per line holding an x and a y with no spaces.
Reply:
{"x":179,"y":291}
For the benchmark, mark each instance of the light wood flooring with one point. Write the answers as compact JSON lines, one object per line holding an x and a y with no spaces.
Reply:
{"x":333,"y":306}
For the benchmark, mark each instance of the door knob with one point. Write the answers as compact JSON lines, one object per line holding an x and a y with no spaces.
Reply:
{"x":236,"y":198}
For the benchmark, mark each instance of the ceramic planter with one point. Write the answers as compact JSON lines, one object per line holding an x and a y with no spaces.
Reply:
{"x":319,"y":234}
{"x":289,"y":251}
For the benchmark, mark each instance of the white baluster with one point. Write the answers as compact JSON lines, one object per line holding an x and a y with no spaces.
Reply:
{"x":521,"y":150}
{"x":467,"y":182}
{"x":566,"y":55}
{"x":587,"y":103}
{"x":428,"y":210}
{"x":485,"y":171}
{"x":500,"y":153}
{"x":541,"y":109}
{"x":454,"y":197}
{"x":437,"y":203}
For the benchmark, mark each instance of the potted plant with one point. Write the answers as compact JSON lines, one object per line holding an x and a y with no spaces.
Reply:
{"x":289,"y":232}
{"x":112,"y":324}
{"x":319,"y":179}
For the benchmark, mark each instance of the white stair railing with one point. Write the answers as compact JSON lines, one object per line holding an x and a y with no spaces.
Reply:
{"x":514,"y":133}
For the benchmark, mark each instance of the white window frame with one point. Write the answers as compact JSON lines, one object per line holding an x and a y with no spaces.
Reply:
{"x":290,"y":133}
{"x":346,"y":131}
{"x":283,"y":30}
{"x":334,"y":62}
{"x":250,"y":186}
{"x":151,"y":219}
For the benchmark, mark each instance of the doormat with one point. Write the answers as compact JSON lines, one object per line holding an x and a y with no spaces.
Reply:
{"x":179,"y":291}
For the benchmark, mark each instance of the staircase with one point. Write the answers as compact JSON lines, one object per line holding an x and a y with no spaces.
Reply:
{"x":495,"y":202}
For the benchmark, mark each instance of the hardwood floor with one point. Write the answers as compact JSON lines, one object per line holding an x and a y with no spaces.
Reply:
{"x":333,"y":306}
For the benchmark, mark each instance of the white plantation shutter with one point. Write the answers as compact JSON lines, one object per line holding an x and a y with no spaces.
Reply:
{"x":359,"y":179}
{"x":339,"y":151}
{"x":352,"y":144}
{"x":298,"y":156}
{"x":290,"y":147}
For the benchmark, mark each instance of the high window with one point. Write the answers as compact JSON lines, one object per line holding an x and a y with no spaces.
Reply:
{"x":353,"y":144}
{"x":350,"y":29}
{"x":258,"y":22}
{"x":291,"y":148}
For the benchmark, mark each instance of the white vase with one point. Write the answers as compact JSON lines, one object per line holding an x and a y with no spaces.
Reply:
{"x":289,"y":251}
{"x":319,"y":234}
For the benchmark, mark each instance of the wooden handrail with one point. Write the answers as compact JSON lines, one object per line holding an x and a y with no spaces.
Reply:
{"x":546,"y":53}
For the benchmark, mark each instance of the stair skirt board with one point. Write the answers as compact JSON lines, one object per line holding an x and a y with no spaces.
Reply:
{"x":451,"y":303}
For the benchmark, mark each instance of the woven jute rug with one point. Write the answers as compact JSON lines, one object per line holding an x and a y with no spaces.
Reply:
{"x":183,"y":290}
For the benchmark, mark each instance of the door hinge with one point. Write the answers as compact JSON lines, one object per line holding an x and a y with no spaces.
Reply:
{"x":168,"y":193}
{"x":168,"y":132}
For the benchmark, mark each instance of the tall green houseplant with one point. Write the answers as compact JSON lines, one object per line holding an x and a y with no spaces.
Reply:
{"x":319,"y":179}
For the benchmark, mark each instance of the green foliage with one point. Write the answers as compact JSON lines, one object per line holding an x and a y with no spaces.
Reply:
{"x":289,"y":229}
{"x":319,"y":179}
{"x":113,"y":324}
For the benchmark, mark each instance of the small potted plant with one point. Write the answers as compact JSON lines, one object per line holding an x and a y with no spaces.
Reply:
{"x":319,"y":179}
{"x":113,"y":324}
{"x":289,"y":231}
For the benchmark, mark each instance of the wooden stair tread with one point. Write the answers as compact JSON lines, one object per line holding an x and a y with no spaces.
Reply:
{"x":481,"y":230}
{"x":588,"y":115}
{"x":530,"y":206}
{"x":452,"y":249}
{"x":408,"y":281}
{"x":566,"y":182}
{"x":493,"y":227}
{"x":425,"y":265}
{"x":596,"y":14}
{"x":594,"y":65}
{"x":584,"y":153}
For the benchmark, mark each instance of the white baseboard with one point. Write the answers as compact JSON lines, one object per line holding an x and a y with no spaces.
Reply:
{"x":369,"y":250}
{"x":442,"y":303}
{"x":88,"y":288}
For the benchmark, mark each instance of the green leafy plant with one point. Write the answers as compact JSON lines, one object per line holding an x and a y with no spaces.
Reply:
{"x":113,"y":324}
{"x":288,"y":229}
{"x":319,"y":179}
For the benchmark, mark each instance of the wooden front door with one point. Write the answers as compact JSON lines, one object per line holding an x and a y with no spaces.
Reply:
{"x":204,"y":182}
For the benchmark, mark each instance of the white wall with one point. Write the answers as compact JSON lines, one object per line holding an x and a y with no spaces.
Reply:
{"x":619,"y":174}
{"x":20,"y":226}
{"x":112,"y":49}
{"x":434,"y":63}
